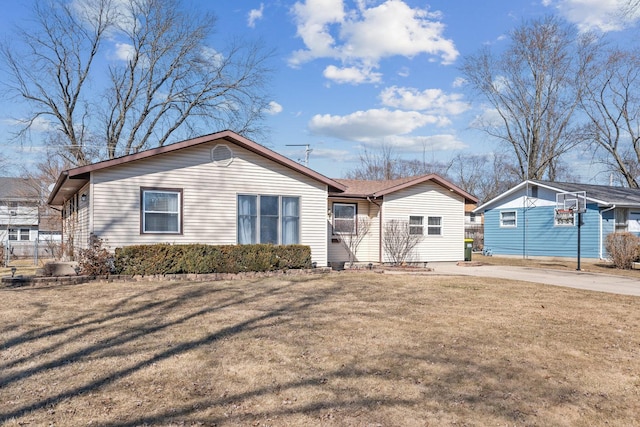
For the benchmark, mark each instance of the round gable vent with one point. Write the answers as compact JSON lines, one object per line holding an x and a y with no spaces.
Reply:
{"x":221,"y":155}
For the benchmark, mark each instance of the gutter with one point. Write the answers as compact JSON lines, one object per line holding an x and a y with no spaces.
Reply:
{"x":600,"y":235}
{"x":61,"y":179}
{"x":380,"y":228}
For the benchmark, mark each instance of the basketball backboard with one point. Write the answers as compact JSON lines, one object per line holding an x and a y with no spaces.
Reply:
{"x":575,"y":201}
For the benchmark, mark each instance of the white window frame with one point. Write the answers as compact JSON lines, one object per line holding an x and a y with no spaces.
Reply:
{"x":434,"y":227}
{"x":18,"y":234}
{"x":354,"y":229}
{"x":633,"y":223}
{"x":415,"y":228}
{"x":282,"y":219}
{"x":143,"y":212}
{"x":515,"y":219}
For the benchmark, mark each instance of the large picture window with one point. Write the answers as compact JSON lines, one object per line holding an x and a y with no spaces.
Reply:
{"x":161,"y":211}
{"x":508,"y":219}
{"x":344,"y":218}
{"x":268,"y":219}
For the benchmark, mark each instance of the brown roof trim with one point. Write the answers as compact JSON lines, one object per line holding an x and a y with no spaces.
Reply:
{"x":394,"y":186}
{"x":230,"y":136}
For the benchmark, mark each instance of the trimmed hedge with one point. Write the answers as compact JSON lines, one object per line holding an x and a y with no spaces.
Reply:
{"x":205,"y":259}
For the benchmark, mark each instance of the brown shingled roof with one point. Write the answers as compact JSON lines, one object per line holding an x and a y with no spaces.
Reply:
{"x":363,"y":188}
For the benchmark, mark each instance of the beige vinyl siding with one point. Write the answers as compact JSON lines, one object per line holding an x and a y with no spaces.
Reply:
{"x":76,"y":229}
{"x":83,"y":228}
{"x":209,"y":195}
{"x":368,"y":251}
{"x":430,"y":199}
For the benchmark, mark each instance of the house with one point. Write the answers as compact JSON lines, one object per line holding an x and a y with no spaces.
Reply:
{"x":473,"y":226}
{"x":430,"y":206}
{"x":522,"y":221}
{"x":226,"y":189}
{"x":19,"y":217}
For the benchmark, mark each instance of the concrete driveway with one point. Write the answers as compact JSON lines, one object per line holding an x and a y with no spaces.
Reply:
{"x":572,"y":279}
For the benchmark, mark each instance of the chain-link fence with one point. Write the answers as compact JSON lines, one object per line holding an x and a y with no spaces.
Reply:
{"x":34,"y":250}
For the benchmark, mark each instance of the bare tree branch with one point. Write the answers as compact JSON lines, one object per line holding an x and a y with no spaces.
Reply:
{"x":534,"y":89}
{"x":398,"y":241}
{"x":165,"y":82}
{"x":611,"y":100}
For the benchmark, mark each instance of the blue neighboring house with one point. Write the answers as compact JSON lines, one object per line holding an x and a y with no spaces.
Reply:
{"x":522,"y":221}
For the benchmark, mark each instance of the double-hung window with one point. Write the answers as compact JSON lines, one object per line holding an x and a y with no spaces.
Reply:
{"x":268,"y":219}
{"x":416,"y":225}
{"x":161,"y":211}
{"x":508,"y":219}
{"x":16,"y":234}
{"x":344,"y":218}
{"x":434,"y":226}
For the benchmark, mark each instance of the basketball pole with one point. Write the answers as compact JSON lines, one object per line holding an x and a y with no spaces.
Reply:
{"x":579,"y":224}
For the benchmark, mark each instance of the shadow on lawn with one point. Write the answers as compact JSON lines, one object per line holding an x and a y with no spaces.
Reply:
{"x":153,"y":316}
{"x":491,"y":385}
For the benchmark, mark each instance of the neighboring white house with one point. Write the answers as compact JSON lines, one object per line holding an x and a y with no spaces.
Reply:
{"x":225,"y":189}
{"x":18,"y":210}
{"x":429,"y":205}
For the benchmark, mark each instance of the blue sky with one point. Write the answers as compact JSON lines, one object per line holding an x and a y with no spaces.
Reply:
{"x":356,"y":74}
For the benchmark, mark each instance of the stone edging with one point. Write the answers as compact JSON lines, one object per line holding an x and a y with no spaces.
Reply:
{"x":19,"y":281}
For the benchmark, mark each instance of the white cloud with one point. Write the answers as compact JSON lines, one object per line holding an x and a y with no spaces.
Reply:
{"x":274,"y":108}
{"x":459,"y":82}
{"x":404,"y":72}
{"x":371,"y":125}
{"x":313,"y":19}
{"x":124,"y":52}
{"x":255,"y":15}
{"x":353,"y":75}
{"x":602,"y":15}
{"x":440,"y":142}
{"x":332,"y":154}
{"x":431,"y":100}
{"x":361,"y":37}
{"x":393,"y":28}
{"x":39,"y":124}
{"x":488,"y":116}
{"x":211,"y":55}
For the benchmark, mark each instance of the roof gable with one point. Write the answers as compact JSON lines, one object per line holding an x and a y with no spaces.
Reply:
{"x":17,"y":189}
{"x":601,"y":194}
{"x":72,"y":180}
{"x":364,"y":188}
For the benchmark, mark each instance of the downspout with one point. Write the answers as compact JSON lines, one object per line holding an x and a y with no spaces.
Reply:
{"x":600,"y":236}
{"x":379,"y":228}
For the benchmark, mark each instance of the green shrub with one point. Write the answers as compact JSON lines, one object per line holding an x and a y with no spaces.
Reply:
{"x":623,"y":248}
{"x":204,"y":259}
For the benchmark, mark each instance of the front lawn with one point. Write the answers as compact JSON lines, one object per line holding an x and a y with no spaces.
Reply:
{"x":339,"y":349}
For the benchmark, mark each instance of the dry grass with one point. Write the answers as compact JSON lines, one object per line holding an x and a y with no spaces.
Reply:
{"x":24,"y":267}
{"x":341,"y":349}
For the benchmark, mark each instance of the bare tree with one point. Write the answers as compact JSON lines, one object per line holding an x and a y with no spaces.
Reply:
{"x":484,"y":175}
{"x":379,"y":165}
{"x":163,"y":79}
{"x":534,"y":89}
{"x":611,"y":100}
{"x":352,"y":238}
{"x":399,"y":241}
{"x":386,"y":164}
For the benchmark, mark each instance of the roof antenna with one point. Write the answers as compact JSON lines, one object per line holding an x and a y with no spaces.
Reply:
{"x":307,"y":151}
